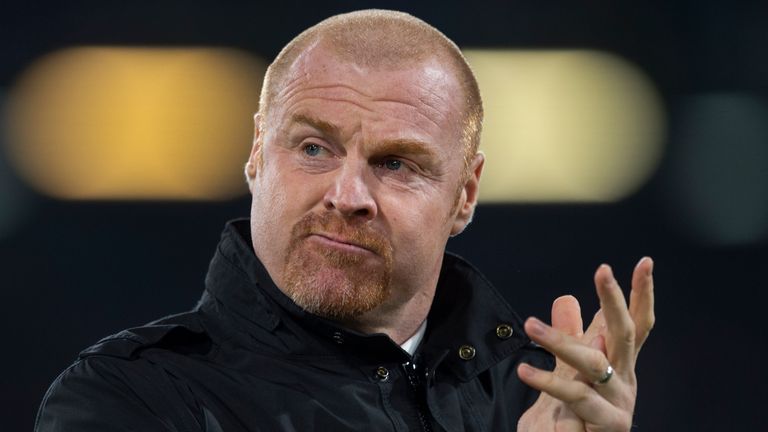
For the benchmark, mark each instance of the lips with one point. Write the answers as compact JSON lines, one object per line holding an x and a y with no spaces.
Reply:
{"x":334,"y":233}
{"x":341,"y":243}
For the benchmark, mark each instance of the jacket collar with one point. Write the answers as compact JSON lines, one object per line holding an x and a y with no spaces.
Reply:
{"x":466,"y":325}
{"x":475,"y":327}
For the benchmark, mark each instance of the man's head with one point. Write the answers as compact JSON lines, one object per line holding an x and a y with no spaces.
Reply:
{"x":381,"y":39}
{"x":364,"y":163}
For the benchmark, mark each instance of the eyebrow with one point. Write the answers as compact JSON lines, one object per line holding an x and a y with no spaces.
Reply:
{"x":404,"y":147}
{"x":394,"y":146}
{"x":321,"y":125}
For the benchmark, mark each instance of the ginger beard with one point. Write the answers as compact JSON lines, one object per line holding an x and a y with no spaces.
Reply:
{"x":333,"y":282}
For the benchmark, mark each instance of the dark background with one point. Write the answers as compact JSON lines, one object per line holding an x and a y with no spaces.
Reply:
{"x":72,"y":272}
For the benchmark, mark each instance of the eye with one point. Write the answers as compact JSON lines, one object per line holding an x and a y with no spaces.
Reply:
{"x":393,"y":164}
{"x":312,"y":149}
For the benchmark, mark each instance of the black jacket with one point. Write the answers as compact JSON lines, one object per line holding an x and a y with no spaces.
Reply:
{"x":248,"y":359}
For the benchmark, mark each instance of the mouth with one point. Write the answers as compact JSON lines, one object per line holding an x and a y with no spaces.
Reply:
{"x":329,"y":240}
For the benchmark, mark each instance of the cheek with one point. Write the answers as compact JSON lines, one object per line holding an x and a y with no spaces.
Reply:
{"x":420,"y":232}
{"x":281,"y":198}
{"x":268,"y":208}
{"x":277,"y":188}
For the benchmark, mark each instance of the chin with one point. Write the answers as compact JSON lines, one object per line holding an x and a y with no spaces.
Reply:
{"x":336,"y":291}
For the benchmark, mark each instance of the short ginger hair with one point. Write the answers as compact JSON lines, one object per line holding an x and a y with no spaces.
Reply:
{"x":382,"y":38}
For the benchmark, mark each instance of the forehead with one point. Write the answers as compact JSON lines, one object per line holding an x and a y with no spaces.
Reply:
{"x":424,"y":95}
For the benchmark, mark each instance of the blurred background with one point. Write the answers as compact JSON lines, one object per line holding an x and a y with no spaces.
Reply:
{"x":615,"y":129}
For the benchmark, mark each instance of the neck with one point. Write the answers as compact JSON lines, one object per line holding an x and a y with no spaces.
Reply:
{"x":399,"y":322}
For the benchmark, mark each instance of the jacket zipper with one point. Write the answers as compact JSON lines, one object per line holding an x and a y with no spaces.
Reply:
{"x":418,"y":393}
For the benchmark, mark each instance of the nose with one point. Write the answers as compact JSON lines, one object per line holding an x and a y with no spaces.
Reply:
{"x":350,"y":193}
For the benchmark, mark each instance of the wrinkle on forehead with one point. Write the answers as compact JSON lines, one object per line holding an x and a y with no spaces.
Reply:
{"x":337,"y":99}
{"x":294,"y":86}
{"x":291,"y":87}
{"x":437,"y":90}
{"x":425,"y":109}
{"x":299,"y":112}
{"x":427,"y":88}
{"x":415,"y":108}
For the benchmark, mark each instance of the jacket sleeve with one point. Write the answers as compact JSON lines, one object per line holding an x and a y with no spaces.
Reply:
{"x":99,"y":394}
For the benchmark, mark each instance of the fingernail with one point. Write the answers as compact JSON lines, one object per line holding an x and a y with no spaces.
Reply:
{"x":649,"y":270}
{"x":526,"y":370}
{"x":609,"y":276}
{"x":537,"y":327}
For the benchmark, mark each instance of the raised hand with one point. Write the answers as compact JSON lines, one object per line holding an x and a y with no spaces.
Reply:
{"x":593,"y":386}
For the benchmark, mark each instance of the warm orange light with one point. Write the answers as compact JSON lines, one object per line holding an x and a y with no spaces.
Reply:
{"x":135,"y":123}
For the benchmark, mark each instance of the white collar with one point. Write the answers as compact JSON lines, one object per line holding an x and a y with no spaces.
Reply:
{"x":413,"y":342}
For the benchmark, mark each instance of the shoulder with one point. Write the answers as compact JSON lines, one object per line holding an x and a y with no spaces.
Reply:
{"x":114,"y":386}
{"x":101,"y":393}
{"x":183,"y":333}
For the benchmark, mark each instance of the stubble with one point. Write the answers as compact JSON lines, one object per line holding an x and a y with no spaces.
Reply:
{"x":335,"y":283}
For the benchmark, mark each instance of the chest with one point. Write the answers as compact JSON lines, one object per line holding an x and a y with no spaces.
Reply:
{"x":298,"y":394}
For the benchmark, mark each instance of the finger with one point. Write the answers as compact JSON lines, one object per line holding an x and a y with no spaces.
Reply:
{"x":591,"y":363}
{"x":585,"y":402}
{"x":620,"y":329}
{"x":596,"y":328}
{"x":598,"y":343}
{"x":641,"y":300}
{"x":566,"y":316}
{"x":559,"y":388}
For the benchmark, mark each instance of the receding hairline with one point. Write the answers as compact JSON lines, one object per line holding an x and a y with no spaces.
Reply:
{"x":382,"y":39}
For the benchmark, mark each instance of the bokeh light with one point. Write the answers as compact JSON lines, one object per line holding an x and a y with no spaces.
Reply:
{"x":566,"y":125}
{"x":135,"y":123}
{"x":718,"y":182}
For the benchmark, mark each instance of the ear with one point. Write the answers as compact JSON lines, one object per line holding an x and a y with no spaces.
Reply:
{"x":254,"y":159}
{"x":469,"y":193}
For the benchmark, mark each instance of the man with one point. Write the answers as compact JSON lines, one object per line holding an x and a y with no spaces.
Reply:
{"x":336,"y":307}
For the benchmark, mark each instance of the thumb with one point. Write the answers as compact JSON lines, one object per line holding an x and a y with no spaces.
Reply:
{"x":566,"y":316}
{"x":596,"y":328}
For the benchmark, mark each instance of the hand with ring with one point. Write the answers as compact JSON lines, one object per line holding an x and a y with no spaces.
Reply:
{"x":593,"y":386}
